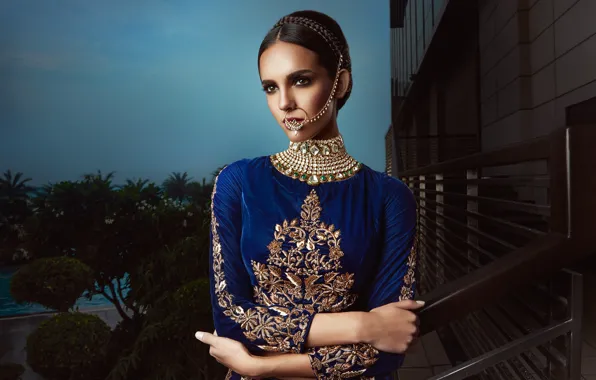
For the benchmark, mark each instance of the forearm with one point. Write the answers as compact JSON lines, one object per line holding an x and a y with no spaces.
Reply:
{"x":328,"y":329}
{"x":287,"y":367}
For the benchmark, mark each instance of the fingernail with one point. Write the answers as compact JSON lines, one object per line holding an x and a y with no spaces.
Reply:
{"x":420,"y":302}
{"x":199,"y":335}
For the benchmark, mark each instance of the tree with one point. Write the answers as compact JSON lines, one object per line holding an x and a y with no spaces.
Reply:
{"x":69,"y":346}
{"x":14,"y":210}
{"x":14,"y":186}
{"x":176,"y":185}
{"x":147,"y":254}
{"x":55,"y":283}
{"x":11,"y":371}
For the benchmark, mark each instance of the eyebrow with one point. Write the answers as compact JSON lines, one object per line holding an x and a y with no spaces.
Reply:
{"x":290,"y":77}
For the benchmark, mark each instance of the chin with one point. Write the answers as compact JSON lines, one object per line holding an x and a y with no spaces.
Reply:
{"x":304,"y":134}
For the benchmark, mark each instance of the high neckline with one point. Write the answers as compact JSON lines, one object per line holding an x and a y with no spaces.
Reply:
{"x":316,"y":161}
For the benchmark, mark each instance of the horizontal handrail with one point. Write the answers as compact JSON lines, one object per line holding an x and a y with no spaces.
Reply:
{"x":566,"y":222}
{"x":516,"y":347}
{"x":439,"y":137}
{"x":534,"y":339}
{"x":524,"y":265}
{"x":542,"y":181}
{"x":532,"y":150}
{"x":518,"y":228}
{"x":505,"y":203}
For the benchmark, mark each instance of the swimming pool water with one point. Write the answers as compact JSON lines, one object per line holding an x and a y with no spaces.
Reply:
{"x":9,"y":308}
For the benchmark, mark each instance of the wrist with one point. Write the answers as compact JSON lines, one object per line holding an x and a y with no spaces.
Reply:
{"x":282,"y":366}
{"x":258,"y":367}
{"x":367,"y":327}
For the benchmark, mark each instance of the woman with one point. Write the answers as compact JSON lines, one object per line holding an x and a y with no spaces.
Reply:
{"x":313,"y":254}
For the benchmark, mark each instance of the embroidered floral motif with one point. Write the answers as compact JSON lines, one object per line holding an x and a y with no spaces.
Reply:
{"x":230,"y":374}
{"x":407,"y":290}
{"x":301,"y":277}
{"x":342,"y":362}
{"x":297,"y":273}
{"x":281,"y":329}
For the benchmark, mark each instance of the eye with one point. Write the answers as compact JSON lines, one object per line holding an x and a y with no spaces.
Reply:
{"x":302,"y":81}
{"x":269,"y":88}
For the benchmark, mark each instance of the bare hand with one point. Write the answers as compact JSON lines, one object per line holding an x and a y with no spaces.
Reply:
{"x":394,"y":326}
{"x":231,"y":354}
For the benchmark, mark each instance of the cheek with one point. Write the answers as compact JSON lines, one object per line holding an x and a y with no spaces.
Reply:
{"x":314,"y":99}
{"x":272,"y":104}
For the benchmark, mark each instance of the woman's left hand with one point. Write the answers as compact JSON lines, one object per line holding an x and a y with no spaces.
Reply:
{"x":231,"y":354}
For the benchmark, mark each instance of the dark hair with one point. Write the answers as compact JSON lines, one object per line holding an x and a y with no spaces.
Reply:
{"x":308,"y":38}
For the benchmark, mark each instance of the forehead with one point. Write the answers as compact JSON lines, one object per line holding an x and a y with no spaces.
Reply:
{"x":282,"y":58}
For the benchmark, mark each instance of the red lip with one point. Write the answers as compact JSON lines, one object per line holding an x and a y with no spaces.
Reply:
{"x":294,"y":119}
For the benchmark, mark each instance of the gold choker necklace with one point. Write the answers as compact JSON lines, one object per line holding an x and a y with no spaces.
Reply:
{"x":317,"y":161}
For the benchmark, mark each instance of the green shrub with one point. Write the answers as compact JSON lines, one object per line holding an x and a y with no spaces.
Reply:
{"x":194,"y":297}
{"x":55,"y":283}
{"x":69,"y":346}
{"x":11,"y":371}
{"x":166,"y":347}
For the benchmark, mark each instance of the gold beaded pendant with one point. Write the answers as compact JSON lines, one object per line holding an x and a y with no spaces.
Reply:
{"x":317,"y":161}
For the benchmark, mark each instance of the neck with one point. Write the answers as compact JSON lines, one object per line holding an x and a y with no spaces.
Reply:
{"x":329,"y":132}
{"x":317,"y":160}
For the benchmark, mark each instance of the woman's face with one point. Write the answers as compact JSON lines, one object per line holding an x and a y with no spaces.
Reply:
{"x":294,"y":81}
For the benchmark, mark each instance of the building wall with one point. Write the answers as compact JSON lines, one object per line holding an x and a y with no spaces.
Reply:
{"x":409,"y":42}
{"x":537,"y":57}
{"x":442,"y":121}
{"x":461,"y":95}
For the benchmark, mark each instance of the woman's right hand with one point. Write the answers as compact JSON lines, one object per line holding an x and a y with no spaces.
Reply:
{"x":392,"y":327}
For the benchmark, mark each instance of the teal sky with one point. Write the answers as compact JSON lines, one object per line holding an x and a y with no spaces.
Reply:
{"x":171,"y":85}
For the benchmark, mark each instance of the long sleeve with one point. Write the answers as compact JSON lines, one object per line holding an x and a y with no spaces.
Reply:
{"x":235,"y":315}
{"x":394,"y":280}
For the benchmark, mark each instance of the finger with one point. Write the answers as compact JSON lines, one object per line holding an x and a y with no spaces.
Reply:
{"x":415,"y":331}
{"x":412,"y":318}
{"x":409,"y":304}
{"x":207,"y":338}
{"x":215,"y":332}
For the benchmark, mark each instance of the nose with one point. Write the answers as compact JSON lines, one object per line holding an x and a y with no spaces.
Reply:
{"x":286,"y":100}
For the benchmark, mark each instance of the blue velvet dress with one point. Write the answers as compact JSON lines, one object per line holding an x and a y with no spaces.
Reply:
{"x":283,"y":250}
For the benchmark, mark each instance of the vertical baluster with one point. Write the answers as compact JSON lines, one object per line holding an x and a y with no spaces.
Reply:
{"x":440,"y":233}
{"x":472,"y":222}
{"x":575,"y":337}
{"x":422,"y":243}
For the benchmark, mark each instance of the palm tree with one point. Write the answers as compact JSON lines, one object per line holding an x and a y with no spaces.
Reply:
{"x":141,"y":189}
{"x":99,"y":179}
{"x":14,"y":187}
{"x":137,"y":185}
{"x":177,"y":185}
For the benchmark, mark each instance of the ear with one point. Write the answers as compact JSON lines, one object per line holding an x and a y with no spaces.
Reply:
{"x":343,"y":83}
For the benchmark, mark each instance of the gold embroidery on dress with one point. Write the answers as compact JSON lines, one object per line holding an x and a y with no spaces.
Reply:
{"x":278,"y":331}
{"x":300,"y":275}
{"x":295,"y":279}
{"x":231,"y":373}
{"x":407,"y":290}
{"x":336,"y":362}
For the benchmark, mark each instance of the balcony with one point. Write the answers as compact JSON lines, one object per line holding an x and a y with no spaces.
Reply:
{"x":502,"y":236}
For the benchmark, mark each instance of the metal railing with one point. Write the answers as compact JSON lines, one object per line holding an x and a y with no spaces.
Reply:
{"x":495,"y":230}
